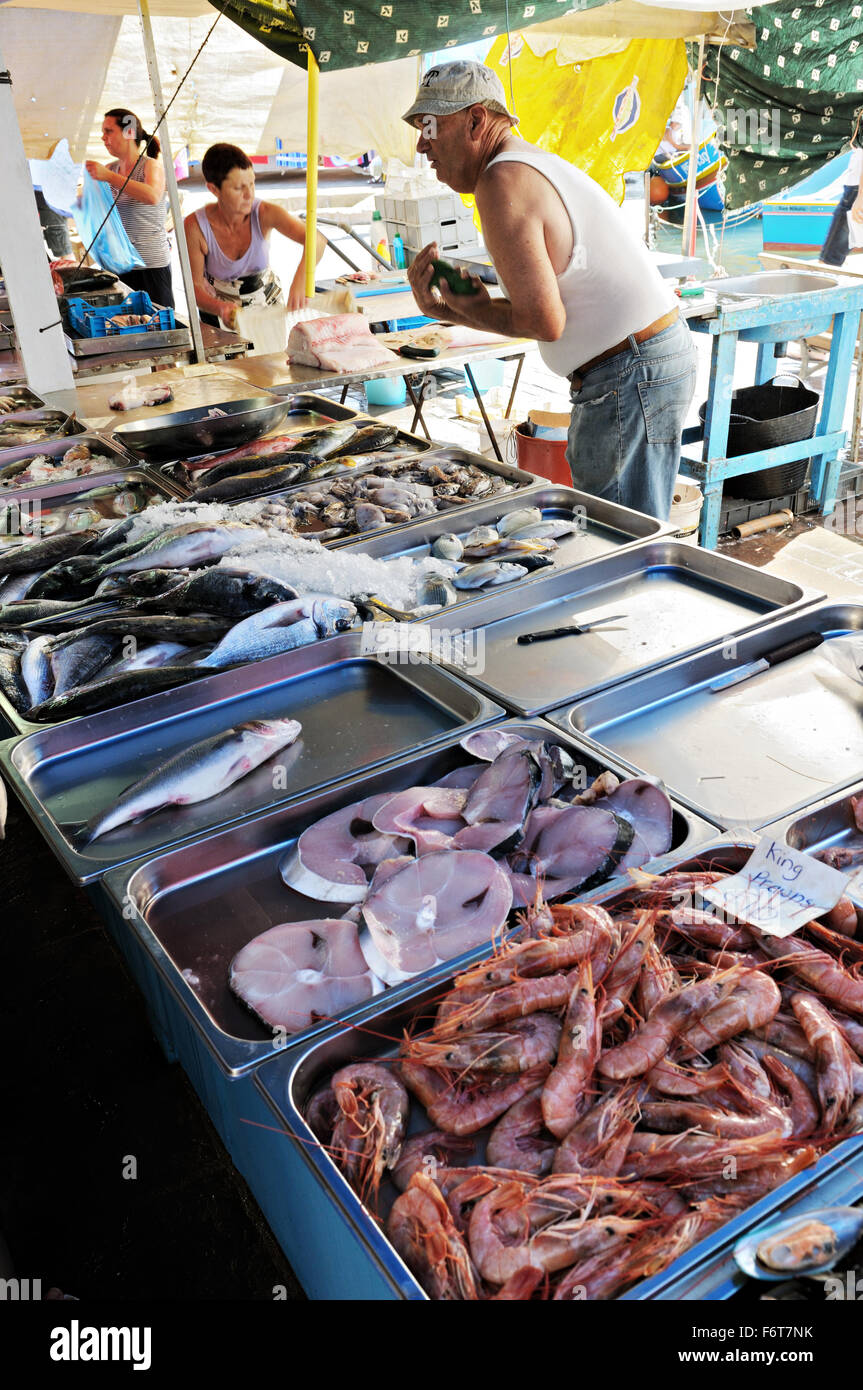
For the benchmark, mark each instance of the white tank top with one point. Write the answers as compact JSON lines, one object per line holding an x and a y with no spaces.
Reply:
{"x":611,"y":287}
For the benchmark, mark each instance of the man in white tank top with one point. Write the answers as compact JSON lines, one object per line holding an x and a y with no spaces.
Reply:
{"x":574,"y":278}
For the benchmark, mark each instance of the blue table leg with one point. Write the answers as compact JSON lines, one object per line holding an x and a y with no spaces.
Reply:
{"x":765,"y":363}
{"x":708,"y":532}
{"x":826,"y":467}
{"x":716,"y":431}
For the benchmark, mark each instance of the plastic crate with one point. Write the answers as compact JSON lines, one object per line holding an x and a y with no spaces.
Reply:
{"x":91,"y":321}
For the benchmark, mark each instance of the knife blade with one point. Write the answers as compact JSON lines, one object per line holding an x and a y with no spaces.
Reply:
{"x":788,"y":650}
{"x":575,"y":629}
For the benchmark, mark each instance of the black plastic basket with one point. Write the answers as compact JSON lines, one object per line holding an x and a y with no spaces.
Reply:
{"x":763,"y":417}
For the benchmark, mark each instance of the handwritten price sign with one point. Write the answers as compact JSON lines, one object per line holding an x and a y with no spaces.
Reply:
{"x":778,"y":889}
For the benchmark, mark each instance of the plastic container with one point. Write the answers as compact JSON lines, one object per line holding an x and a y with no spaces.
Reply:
{"x":761,"y":418}
{"x":685,"y":514}
{"x":547,"y":457}
{"x":386,"y":390}
{"x":94,"y":322}
{"x":487,"y":374}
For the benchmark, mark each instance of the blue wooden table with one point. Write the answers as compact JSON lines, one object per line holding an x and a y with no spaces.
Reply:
{"x":772,"y":323}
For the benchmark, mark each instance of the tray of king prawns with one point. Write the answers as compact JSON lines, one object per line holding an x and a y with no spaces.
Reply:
{"x":595,"y":1109}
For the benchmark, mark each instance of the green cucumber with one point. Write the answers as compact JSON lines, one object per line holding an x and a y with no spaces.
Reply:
{"x":457,"y":282}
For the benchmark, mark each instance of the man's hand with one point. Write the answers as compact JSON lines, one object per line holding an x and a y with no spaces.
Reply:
{"x":100,"y":172}
{"x":432,"y":301}
{"x":857,"y":209}
{"x":419,"y":277}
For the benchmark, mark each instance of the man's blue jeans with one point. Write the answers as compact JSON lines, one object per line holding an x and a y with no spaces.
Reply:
{"x":627,"y":419}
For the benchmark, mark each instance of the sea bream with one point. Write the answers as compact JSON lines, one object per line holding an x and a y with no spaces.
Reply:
{"x":197,"y":773}
{"x":282,"y":627}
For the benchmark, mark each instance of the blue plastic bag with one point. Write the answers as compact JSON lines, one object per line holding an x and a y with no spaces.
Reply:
{"x":112,"y":249}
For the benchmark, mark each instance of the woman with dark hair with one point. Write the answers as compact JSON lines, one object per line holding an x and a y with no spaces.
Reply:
{"x":227,"y":241}
{"x":142,"y":205}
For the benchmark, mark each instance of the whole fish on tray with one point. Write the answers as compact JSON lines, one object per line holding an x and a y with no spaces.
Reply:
{"x":51,"y":425}
{"x":197,"y":773}
{"x":191,"y":544}
{"x":282,"y":627}
{"x":118,"y":690}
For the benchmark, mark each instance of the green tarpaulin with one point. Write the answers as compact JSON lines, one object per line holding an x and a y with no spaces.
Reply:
{"x":370,"y":31}
{"x":788,"y":107}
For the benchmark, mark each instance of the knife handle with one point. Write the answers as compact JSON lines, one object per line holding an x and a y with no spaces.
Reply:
{"x":527,"y":637}
{"x":793,"y":648}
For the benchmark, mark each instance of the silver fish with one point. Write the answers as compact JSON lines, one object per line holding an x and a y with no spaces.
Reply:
{"x":487,"y":572}
{"x":198,"y":772}
{"x":481,"y":536}
{"x":543,"y":530}
{"x":448,"y":547}
{"x":190,"y":544}
{"x":146,"y":658}
{"x":516,"y":521}
{"x":17,"y":585}
{"x":273,"y":629}
{"x":437,"y":588}
{"x":75,"y":663}
{"x":36,"y":670}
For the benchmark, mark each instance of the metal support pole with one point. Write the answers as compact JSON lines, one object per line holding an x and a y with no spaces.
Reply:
{"x":25,"y":266}
{"x":311,"y":172}
{"x":690,"y":225}
{"x":198,"y":351}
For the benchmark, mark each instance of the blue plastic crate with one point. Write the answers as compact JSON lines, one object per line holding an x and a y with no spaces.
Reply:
{"x":91,"y":321}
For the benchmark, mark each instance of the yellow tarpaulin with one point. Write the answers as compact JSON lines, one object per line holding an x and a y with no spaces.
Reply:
{"x":606,"y":115}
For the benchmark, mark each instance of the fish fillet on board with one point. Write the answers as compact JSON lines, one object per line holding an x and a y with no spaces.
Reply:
{"x":337,"y":343}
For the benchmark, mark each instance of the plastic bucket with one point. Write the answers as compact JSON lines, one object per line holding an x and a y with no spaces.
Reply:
{"x":487,"y":374}
{"x":685,"y":515}
{"x":761,"y":418}
{"x":547,"y":457}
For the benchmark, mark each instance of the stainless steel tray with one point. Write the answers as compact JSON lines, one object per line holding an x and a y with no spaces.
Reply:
{"x":356,"y":713}
{"x":24,"y":398}
{"x":602,"y":528}
{"x":25,"y":417}
{"x":194,"y":907}
{"x":827,"y":824}
{"x":55,"y":449}
{"x":199,"y":430}
{"x":748,"y":755}
{"x":286,"y":1082}
{"x":128,"y":342}
{"x":675,"y":598}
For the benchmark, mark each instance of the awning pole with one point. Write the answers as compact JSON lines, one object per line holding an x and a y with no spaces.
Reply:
{"x":25,"y":265}
{"x":311,"y":174}
{"x":690,"y":222}
{"x":198,"y":352}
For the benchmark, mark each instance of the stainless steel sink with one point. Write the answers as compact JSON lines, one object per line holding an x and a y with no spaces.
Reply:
{"x":772,"y":284}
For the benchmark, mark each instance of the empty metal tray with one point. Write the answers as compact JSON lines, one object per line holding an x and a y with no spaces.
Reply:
{"x":674,"y":599}
{"x":750,"y":754}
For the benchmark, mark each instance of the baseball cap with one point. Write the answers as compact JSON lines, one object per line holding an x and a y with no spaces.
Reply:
{"x":453,"y":86}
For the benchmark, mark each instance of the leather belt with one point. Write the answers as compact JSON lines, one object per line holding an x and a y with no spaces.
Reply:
{"x":642,"y":336}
